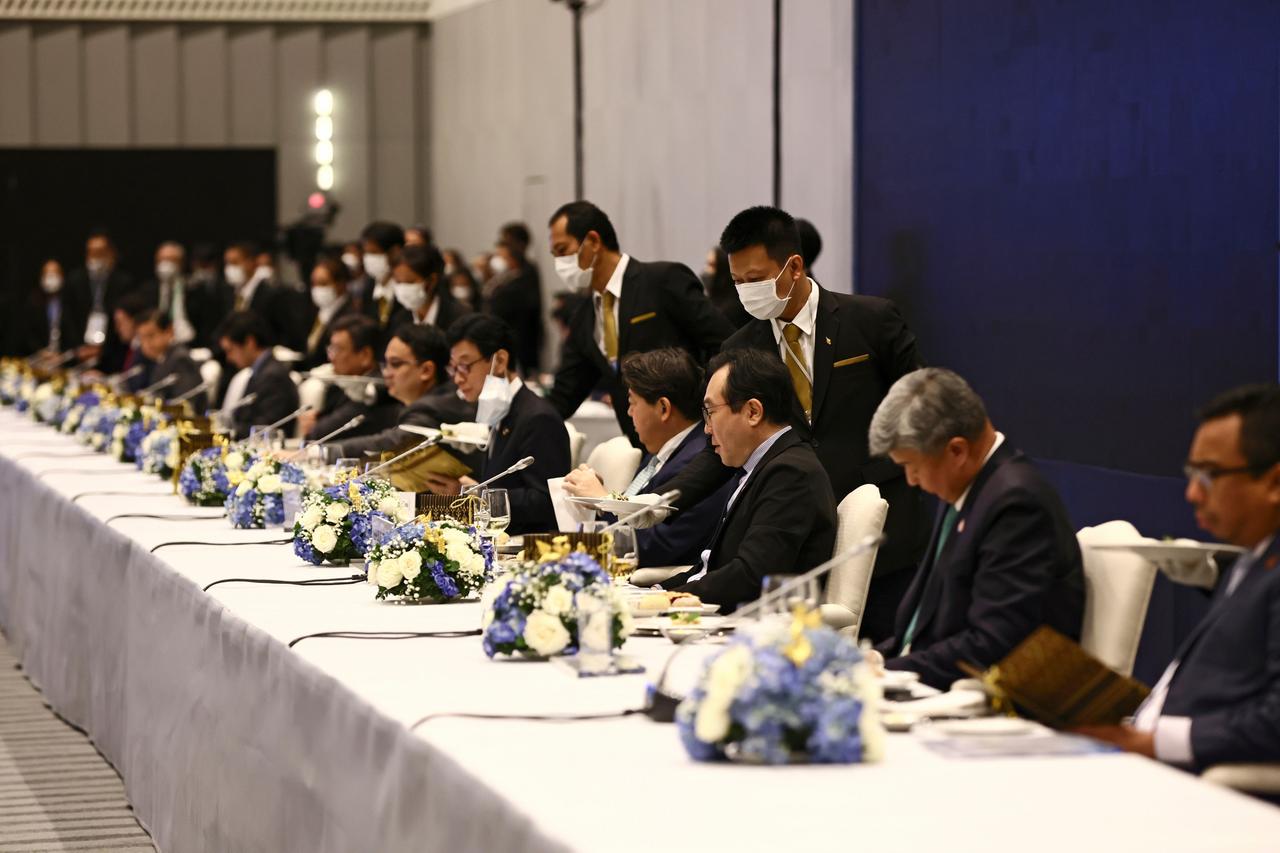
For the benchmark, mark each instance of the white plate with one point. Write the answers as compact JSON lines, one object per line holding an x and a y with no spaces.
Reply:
{"x":613,"y":506}
{"x":984,"y":727}
{"x":1158,"y":551}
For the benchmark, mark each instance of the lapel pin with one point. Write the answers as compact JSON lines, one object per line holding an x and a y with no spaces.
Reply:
{"x":828,"y":340}
{"x":1271,"y":563}
{"x":960,"y":526}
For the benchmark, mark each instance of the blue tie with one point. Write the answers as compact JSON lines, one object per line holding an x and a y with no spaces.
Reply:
{"x":642,"y":479}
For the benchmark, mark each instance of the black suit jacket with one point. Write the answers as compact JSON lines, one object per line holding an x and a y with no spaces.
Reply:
{"x":679,"y":540}
{"x":440,"y":405}
{"x":861,"y":347}
{"x":277,"y":397}
{"x":531,"y":428}
{"x":33,"y":332}
{"x":338,"y":408}
{"x":1228,"y":676}
{"x":662,"y":305}
{"x":206,"y":305}
{"x":177,"y":362}
{"x":286,"y":315}
{"x":517,"y":299}
{"x":1011,"y":564}
{"x":319,"y":354}
{"x":78,"y":303}
{"x":783,"y":522}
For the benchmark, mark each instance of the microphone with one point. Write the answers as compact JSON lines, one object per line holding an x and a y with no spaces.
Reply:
{"x":662,"y":703}
{"x":518,"y":466}
{"x":124,"y":376}
{"x":336,"y":379}
{"x":87,"y":365}
{"x":422,"y":445}
{"x":246,"y":400}
{"x":302,"y":410}
{"x":663,"y":499}
{"x":58,"y":360}
{"x":351,"y":424}
{"x":187,"y":395}
{"x":163,"y":383}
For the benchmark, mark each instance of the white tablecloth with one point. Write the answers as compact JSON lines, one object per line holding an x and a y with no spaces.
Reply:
{"x":229,"y":740}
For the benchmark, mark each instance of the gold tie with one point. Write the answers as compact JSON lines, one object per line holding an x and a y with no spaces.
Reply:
{"x":384,"y":311}
{"x":610,"y":326}
{"x":804,"y":388}
{"x":239,"y":302}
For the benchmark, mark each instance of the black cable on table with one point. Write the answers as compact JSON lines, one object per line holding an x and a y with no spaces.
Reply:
{"x":223,"y":544}
{"x":536,"y":718}
{"x":350,"y":579}
{"x":94,"y":494}
{"x":386,"y":635}
{"x":159,"y":517}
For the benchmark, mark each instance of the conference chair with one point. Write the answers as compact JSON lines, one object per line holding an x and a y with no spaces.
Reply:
{"x":577,"y":441}
{"x":1249,"y":778}
{"x":616,"y":461}
{"x":860,"y":514}
{"x":1117,"y":590}
{"x":211,"y":372}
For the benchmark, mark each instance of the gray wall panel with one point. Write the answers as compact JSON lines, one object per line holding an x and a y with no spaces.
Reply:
{"x":299,"y":62}
{"x":16,"y":58}
{"x":58,"y":86}
{"x":395,"y":123}
{"x":251,"y":75}
{"x":346,"y":73}
{"x":204,"y":86}
{"x":156,"y":84}
{"x":107,"y":101}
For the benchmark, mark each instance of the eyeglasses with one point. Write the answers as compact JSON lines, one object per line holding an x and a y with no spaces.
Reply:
{"x":1204,"y":475}
{"x":707,"y":410}
{"x":396,"y":363}
{"x":462,"y":368}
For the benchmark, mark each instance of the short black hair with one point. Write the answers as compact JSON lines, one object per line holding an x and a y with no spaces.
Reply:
{"x":763,"y":226}
{"x":489,"y":334}
{"x":133,"y":304}
{"x":363,"y":331}
{"x":1259,"y":409}
{"x":101,"y":232}
{"x":239,"y":326}
{"x":583,"y":216}
{"x":384,"y":235}
{"x":756,"y":374}
{"x":428,"y":344}
{"x":205,"y":253}
{"x":154,"y":315}
{"x":248,"y":248}
{"x":810,"y":242}
{"x":668,"y":372}
{"x":427,"y":236}
{"x":516,"y":236}
{"x":424,"y":260}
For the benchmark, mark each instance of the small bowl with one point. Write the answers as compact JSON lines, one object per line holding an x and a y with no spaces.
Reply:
{"x":684,"y":633}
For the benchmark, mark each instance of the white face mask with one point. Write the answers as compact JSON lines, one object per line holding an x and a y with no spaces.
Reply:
{"x":495,"y":399}
{"x":234,"y":275}
{"x":166,"y":270}
{"x":352,"y":262}
{"x":324,"y":295}
{"x":376,"y":266}
{"x":760,"y":298}
{"x":51,"y":283}
{"x":573,"y":275}
{"x":96,"y":266}
{"x":410,"y":294}
{"x":460,"y":292}
{"x":498,"y":265}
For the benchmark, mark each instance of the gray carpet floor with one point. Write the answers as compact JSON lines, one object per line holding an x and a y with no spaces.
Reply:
{"x":56,"y":791}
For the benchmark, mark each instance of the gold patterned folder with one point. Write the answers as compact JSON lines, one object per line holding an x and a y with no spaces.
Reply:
{"x":410,"y":474}
{"x":441,"y":507}
{"x":1055,"y":681}
{"x":598,"y":545}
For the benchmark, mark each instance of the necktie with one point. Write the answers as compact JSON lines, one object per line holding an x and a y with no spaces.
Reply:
{"x":795,"y":366}
{"x":384,"y":311}
{"x":610,"y":326}
{"x":948,"y":524}
{"x":642,"y":479}
{"x":240,"y":300}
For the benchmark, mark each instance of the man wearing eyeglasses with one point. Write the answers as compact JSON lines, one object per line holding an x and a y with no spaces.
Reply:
{"x":416,"y":373}
{"x":1219,"y":700}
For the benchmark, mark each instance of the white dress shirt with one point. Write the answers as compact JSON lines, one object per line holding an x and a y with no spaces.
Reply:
{"x":1173,"y":734}
{"x":654,"y":465}
{"x":807,"y":322}
{"x":433,"y":311}
{"x":615,"y":287}
{"x":260,"y":275}
{"x":995,"y":445}
{"x":747,"y":468}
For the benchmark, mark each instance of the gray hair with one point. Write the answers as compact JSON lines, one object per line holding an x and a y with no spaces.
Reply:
{"x":924,"y":410}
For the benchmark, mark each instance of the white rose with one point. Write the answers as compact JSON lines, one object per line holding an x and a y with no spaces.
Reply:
{"x":256,"y":470}
{"x":410,"y":565}
{"x":324,"y":538}
{"x":313,"y":516}
{"x":390,"y":506}
{"x":389,"y":574}
{"x":270,"y":484}
{"x":728,"y":672}
{"x":712,"y":722}
{"x":544,"y":633}
{"x":371,"y":572}
{"x":558,"y":600}
{"x":235,"y":461}
{"x":335,"y":512}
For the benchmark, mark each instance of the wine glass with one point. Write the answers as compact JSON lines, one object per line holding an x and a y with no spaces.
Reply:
{"x":625,"y":556}
{"x":497,"y":507}
{"x":804,"y":596}
{"x":264,"y":438}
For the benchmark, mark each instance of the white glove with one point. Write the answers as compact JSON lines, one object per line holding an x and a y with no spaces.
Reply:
{"x":649,"y":519}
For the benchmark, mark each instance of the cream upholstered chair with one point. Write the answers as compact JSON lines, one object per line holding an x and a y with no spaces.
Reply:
{"x":577,"y":440}
{"x":311,"y":391}
{"x":860,"y":514}
{"x":616,"y":461}
{"x":1117,"y":589}
{"x":1251,"y":778}
{"x":211,"y":372}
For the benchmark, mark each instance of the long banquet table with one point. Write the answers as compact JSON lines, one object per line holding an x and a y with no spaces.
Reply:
{"x":228,"y":739}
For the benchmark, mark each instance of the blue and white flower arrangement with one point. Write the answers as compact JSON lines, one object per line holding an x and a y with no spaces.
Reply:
{"x":97,"y":425}
{"x":80,"y":404}
{"x":10,"y":382}
{"x":159,"y":451}
{"x":203,"y":479}
{"x":336,"y":522}
{"x":127,"y":433}
{"x":533,"y":610}
{"x":26,"y":391}
{"x":258,"y":498}
{"x":785,"y":691}
{"x":427,"y":562}
{"x":45,"y":402}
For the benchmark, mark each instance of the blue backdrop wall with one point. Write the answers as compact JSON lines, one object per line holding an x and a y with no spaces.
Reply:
{"x":1077,"y":205}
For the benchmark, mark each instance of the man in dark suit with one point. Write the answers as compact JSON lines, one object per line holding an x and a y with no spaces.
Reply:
{"x":781,"y":516}
{"x":1003,"y":559}
{"x":157,"y":344}
{"x":188,"y":306}
{"x":514,"y":294}
{"x":328,"y":305}
{"x":522,"y":423}
{"x":664,"y":390}
{"x":381,"y":244}
{"x":246,"y":340}
{"x":48,"y":325}
{"x":418,"y":282}
{"x":416,"y":371}
{"x":356,"y":386}
{"x":90,"y":298}
{"x":842,"y":353}
{"x":256,"y":291}
{"x":1219,"y":700}
{"x":635,"y":307}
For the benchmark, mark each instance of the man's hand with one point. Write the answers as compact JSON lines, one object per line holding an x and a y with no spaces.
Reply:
{"x":440,"y":484}
{"x":307,"y":421}
{"x":582,"y":482}
{"x":1126,"y":737}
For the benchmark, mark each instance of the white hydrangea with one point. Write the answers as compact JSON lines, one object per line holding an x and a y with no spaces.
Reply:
{"x":313,"y":515}
{"x":544,"y":633}
{"x":324,"y":538}
{"x":390,"y":506}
